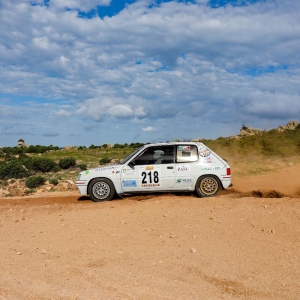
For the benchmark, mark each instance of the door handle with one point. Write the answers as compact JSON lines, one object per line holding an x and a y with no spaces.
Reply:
{"x":170,"y":167}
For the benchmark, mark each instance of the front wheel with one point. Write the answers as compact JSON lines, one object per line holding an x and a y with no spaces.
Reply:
{"x":207,"y":186}
{"x":101,"y":189}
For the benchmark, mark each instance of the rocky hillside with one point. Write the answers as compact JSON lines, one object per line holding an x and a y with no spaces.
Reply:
{"x":247,"y":131}
{"x":17,"y":187}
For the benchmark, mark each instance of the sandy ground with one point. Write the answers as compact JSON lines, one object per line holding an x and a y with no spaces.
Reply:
{"x":63,"y":246}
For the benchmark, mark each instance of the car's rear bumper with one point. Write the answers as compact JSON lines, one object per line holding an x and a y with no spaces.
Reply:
{"x":226,"y":182}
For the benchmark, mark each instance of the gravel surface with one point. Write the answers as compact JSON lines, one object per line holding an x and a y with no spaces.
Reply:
{"x":173,"y":246}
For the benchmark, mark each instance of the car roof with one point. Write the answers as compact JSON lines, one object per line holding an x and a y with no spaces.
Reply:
{"x":174,"y":144}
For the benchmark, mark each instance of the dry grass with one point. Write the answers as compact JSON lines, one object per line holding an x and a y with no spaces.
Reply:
{"x":258,"y":164}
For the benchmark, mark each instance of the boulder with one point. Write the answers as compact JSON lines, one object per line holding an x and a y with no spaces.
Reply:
{"x":48,"y":187}
{"x":4,"y":192}
{"x":21,"y":143}
{"x":291,"y":125}
{"x":246,"y":131}
{"x":70,"y":182}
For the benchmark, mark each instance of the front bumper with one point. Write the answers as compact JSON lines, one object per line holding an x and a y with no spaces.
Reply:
{"x":82,"y":187}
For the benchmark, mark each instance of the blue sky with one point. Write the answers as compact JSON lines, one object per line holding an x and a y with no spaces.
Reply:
{"x":78,"y":72}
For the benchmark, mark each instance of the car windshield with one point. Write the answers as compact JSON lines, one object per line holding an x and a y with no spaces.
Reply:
{"x":123,"y":161}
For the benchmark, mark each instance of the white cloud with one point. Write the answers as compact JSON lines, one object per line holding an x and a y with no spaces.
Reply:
{"x":172,"y":62}
{"x":99,"y":109}
{"x":149,"y":129}
{"x":63,"y":113}
{"x":78,"y":4}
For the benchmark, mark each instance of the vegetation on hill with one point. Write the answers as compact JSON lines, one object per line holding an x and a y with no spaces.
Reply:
{"x":269,"y":143}
{"x":48,"y":160}
{"x":248,"y":154}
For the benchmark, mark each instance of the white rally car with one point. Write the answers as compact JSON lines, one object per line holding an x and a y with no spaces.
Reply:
{"x":158,"y":168}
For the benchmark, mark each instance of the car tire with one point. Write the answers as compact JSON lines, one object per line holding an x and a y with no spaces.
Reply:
{"x":101,"y":189}
{"x":207,"y":186}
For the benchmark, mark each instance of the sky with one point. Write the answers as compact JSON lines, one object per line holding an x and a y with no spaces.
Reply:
{"x":77,"y":73}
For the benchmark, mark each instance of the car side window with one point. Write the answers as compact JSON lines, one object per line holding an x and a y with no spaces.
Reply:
{"x":187,"y":153}
{"x":156,"y":155}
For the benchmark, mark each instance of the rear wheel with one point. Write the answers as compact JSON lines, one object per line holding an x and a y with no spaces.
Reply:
{"x":207,"y":186}
{"x":101,"y":189}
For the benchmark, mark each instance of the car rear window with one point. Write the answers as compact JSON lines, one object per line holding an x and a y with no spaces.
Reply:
{"x":187,"y":153}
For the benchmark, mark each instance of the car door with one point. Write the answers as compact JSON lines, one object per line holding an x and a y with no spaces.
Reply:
{"x":153,"y":169}
{"x":187,"y":168}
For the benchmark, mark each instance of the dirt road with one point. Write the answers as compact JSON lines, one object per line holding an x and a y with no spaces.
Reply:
{"x":152,"y":247}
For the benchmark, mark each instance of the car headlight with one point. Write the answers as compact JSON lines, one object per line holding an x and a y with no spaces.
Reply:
{"x":78,"y":177}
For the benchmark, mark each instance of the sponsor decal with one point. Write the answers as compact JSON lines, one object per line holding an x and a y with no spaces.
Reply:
{"x":129,"y":171}
{"x":204,"y":152}
{"x":183,"y":168}
{"x":210,"y":168}
{"x":208,"y":160}
{"x":150,"y":185}
{"x":184,"y":180}
{"x":149,"y":167}
{"x":206,"y":168}
{"x":182,"y":148}
{"x":129,"y":183}
{"x":105,"y":168}
{"x":87,"y":172}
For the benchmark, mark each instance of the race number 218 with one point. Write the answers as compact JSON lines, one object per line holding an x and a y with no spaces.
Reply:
{"x":150,"y":177}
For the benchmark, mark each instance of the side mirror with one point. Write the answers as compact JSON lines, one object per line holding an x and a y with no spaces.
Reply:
{"x":131,"y":164}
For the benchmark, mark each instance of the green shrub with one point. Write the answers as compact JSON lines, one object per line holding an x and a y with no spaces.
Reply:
{"x":105,"y":160}
{"x":43,"y":164}
{"x":53,"y":181}
{"x":82,"y":167}
{"x":38,"y":164}
{"x":66,"y":163}
{"x":7,"y":156}
{"x":13,"y":150}
{"x":34,"y":181}
{"x":118,"y":146}
{"x":12,"y":169}
{"x":26,"y":161}
{"x":40,"y":149}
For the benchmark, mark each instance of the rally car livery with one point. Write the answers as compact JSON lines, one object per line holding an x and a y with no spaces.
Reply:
{"x":159,"y":167}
